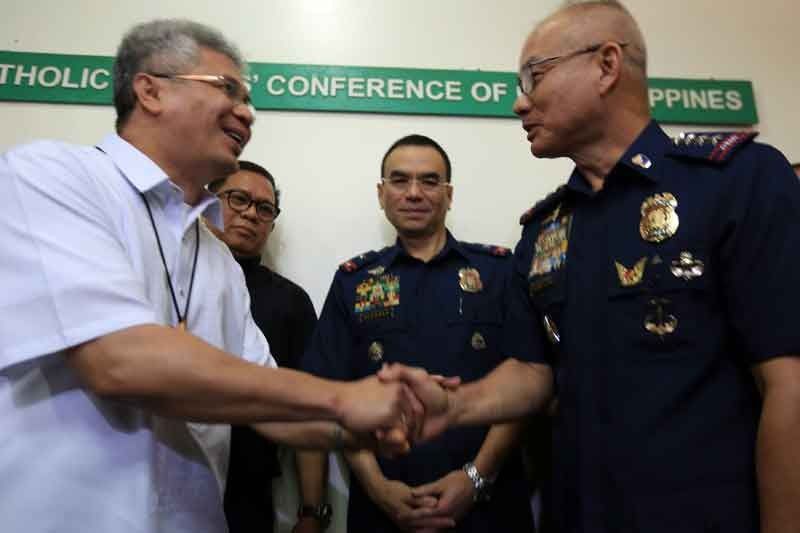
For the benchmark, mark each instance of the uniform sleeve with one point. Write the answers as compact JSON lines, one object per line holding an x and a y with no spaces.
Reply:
{"x":331,"y":345}
{"x":65,"y":276}
{"x":760,"y":255}
{"x":523,"y":336}
{"x":303,"y":320}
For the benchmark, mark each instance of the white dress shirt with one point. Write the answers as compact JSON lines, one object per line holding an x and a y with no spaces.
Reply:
{"x":79,"y":260}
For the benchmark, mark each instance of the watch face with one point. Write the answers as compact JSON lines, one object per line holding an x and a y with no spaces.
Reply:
{"x":323,"y":513}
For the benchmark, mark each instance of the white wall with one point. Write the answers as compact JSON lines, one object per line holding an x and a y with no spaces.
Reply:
{"x":327,"y":163}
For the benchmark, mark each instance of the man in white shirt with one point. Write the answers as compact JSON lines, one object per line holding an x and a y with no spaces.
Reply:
{"x":126,"y":340}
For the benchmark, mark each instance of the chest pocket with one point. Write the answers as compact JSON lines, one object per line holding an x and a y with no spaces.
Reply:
{"x":380,"y":341}
{"x":665,"y":314}
{"x":473,"y":336}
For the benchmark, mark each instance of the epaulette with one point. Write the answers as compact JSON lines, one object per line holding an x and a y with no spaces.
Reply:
{"x":715,"y":147}
{"x":491,"y":249}
{"x":351,"y":265}
{"x":548,"y":201}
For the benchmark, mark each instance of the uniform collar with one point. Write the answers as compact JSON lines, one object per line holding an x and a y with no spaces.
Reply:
{"x":147,"y":177}
{"x":397,"y":251}
{"x":643,"y":158}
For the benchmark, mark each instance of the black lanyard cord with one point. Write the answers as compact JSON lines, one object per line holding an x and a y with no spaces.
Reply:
{"x":182,"y":319}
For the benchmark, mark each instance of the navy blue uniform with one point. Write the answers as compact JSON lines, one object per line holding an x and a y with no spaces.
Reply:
{"x":387,"y":306}
{"x":660,"y":292}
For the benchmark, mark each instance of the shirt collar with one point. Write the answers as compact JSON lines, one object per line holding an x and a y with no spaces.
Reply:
{"x":249,"y":263}
{"x":642,"y":158}
{"x":397,"y":250}
{"x":145,"y":176}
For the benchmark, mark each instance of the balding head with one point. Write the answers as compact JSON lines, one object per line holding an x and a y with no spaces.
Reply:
{"x":583,"y":73}
{"x":580,"y":23}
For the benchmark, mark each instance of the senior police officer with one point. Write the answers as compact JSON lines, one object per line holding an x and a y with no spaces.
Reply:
{"x":126,"y":334}
{"x":664,"y":279}
{"x":435,"y":302}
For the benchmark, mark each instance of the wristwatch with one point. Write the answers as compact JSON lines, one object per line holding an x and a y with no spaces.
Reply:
{"x":322,"y":513}
{"x":483,"y":486}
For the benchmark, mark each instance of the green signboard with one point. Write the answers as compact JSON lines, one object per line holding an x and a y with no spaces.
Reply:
{"x":61,"y":78}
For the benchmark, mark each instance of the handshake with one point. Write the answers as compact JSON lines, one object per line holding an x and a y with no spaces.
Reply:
{"x":397,"y":407}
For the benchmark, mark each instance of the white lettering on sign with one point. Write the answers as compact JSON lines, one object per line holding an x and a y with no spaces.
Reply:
{"x":357,"y":87}
{"x":709,"y":100}
{"x":51,"y":76}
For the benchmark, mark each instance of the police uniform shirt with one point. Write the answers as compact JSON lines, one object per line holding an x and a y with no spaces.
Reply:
{"x":658,"y":293}
{"x":448,"y":316}
{"x":284,"y":313}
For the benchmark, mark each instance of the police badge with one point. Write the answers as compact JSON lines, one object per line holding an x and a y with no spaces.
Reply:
{"x":659,"y":219}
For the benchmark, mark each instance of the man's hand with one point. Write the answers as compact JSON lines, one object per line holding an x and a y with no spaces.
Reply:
{"x":432,"y":391}
{"x":371,"y":404}
{"x":409,"y":513}
{"x":454,"y":494}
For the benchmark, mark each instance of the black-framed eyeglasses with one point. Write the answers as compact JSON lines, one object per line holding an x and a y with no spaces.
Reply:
{"x":240,"y":201}
{"x":233,"y":88}
{"x":401,"y":182}
{"x":531,"y":72}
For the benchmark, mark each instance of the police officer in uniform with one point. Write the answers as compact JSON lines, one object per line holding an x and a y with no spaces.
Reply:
{"x":434,"y":302}
{"x":663,"y":279}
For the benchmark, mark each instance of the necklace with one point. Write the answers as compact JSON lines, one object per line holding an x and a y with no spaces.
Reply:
{"x":182,"y":318}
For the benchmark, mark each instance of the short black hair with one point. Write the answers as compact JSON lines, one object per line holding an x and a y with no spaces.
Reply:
{"x":416,"y":139}
{"x":249,"y":166}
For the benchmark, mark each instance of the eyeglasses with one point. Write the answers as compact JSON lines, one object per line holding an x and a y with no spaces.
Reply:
{"x":240,"y":202}
{"x":529,"y":77}
{"x":233,"y":88}
{"x":402,"y":183}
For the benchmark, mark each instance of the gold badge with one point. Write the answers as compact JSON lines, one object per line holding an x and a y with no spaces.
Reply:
{"x":628,"y":277}
{"x":552,"y":331}
{"x":687,"y":267}
{"x":375,"y":351}
{"x":478,"y":342}
{"x":659,"y":219}
{"x":659,"y":322}
{"x":469,"y":279}
{"x":377,"y":271}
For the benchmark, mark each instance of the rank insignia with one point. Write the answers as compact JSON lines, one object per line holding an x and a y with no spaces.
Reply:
{"x":687,"y":267}
{"x":377,"y":296}
{"x":552,"y":331}
{"x":469,"y":279}
{"x":659,"y":322}
{"x":629,"y":277}
{"x":659,"y":219}
{"x":550,"y":250}
{"x":377,"y":271}
{"x":375,"y":351}
{"x":641,"y":160}
{"x":478,"y":342}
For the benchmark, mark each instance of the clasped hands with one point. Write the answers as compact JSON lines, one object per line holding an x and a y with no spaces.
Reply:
{"x":397,"y":407}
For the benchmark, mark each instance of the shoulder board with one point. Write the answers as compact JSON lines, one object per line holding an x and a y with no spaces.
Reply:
{"x":354,"y":264}
{"x":549,"y":201}
{"x":490,"y":249}
{"x":715,"y":147}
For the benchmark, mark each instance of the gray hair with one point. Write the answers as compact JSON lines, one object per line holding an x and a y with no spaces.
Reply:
{"x":166,"y":46}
